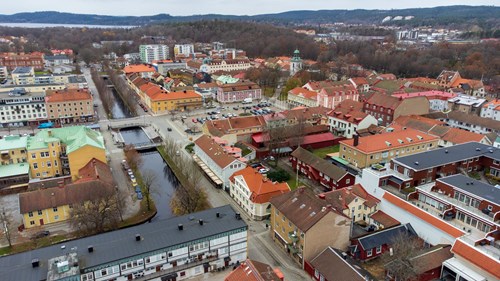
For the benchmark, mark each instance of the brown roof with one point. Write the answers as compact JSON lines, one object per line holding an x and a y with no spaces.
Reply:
{"x":251,"y":270}
{"x":418,"y":122}
{"x":214,"y":151}
{"x":68,"y":95}
{"x":305,"y":112}
{"x":432,"y":258}
{"x":383,"y":100}
{"x":359,"y":81}
{"x":225,"y":126}
{"x":319,"y":164}
{"x":341,"y":198}
{"x":312,"y":95}
{"x":55,"y":196}
{"x":384,"y":219}
{"x":95,"y":170}
{"x":466,"y":118}
{"x":334,"y":267}
{"x":302,"y":207}
{"x":239,"y":86}
{"x":261,"y":188}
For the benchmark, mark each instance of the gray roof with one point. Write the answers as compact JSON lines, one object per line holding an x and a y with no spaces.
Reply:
{"x":119,"y":244}
{"x":452,"y":154}
{"x":56,"y":57}
{"x":473,"y":186}
{"x":335,"y":267}
{"x":384,"y":236}
{"x":22,"y":70}
{"x":77,"y":79}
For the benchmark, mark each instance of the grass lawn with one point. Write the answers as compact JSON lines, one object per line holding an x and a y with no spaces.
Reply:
{"x":42,"y":242}
{"x":322,"y":152}
{"x":41,"y":72}
{"x":292,"y":183}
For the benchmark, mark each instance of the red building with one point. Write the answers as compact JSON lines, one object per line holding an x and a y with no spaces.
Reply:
{"x":13,"y":60}
{"x":325,"y":173}
{"x":386,"y":108}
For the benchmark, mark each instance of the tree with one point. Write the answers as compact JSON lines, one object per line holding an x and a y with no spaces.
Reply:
{"x":7,"y":225}
{"x":400,"y":264}
{"x":97,"y":215}
{"x":134,"y":159}
{"x":278,"y":175}
{"x":149,"y":181}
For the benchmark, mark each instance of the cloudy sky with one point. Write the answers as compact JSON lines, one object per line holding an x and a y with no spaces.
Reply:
{"x":234,"y":7}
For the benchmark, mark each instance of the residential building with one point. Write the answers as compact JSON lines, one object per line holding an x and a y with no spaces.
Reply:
{"x":468,"y":122}
{"x":21,"y":108}
{"x":149,"y":53}
{"x":67,"y":52}
{"x":466,"y":104}
{"x":361,"y":84}
{"x":4,"y":73}
{"x":363,"y":152}
{"x":319,"y":170}
{"x":56,"y":60}
{"x":70,"y":106}
{"x":237,"y":92}
{"x":172,"y":249}
{"x":50,"y":205}
{"x":299,"y":221}
{"x":206,"y":90}
{"x":302,"y":97}
{"x":334,"y":265}
{"x":226,"y":65}
{"x":13,"y":167}
{"x":295,"y":63}
{"x":164,"y":66}
{"x":21,"y":72}
{"x":227,"y":53}
{"x":234,"y":129}
{"x":452,"y":80}
{"x":446,"y":78}
{"x":252,"y":191}
{"x":377,"y":243}
{"x":347,"y":118}
{"x":386,"y":108}
{"x":64,"y":151}
{"x":251,"y":270}
{"x":310,"y":115}
{"x":215,"y":161}
{"x":438,"y":100}
{"x":330,"y":97}
{"x":317,"y":86}
{"x":491,"y":110}
{"x":13,"y":60}
{"x":145,"y":70}
{"x":14,"y":175}
{"x":183,"y":49}
{"x":32,"y":88}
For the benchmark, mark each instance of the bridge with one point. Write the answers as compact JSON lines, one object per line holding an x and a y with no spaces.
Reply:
{"x":125,"y":125}
{"x":146,"y":145}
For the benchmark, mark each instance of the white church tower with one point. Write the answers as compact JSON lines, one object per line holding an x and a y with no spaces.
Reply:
{"x":295,"y":63}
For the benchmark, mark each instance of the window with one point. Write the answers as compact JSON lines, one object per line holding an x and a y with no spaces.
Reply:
{"x":316,"y":273}
{"x":35,"y":166}
{"x":33,"y":155}
{"x":32,"y":222}
{"x":369,"y":253}
{"x":378,"y":250}
{"x":39,"y":212}
{"x":56,"y":217}
{"x":30,"y":214}
{"x":54,"y":209}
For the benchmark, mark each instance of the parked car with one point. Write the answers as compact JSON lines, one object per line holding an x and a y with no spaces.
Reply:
{"x":41,"y":234}
{"x":139,"y":195}
{"x":194,"y":120}
{"x":263,"y":170}
{"x":169,"y":129}
{"x":255,"y":165}
{"x":235,"y":108}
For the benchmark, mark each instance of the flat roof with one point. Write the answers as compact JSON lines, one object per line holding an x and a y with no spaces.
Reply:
{"x":14,"y":170}
{"x":452,"y":154}
{"x":22,"y":69}
{"x":470,"y":185}
{"x":115,"y":245}
{"x":13,"y":142}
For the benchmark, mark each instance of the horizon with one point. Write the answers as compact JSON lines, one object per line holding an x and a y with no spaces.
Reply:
{"x":220,"y":7}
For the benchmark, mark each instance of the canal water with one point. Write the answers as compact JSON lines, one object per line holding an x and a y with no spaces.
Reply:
{"x":119,"y":109}
{"x":152,"y":162}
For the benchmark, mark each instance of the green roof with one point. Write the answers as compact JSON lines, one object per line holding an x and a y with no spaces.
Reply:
{"x":13,"y":142}
{"x":227,"y":79}
{"x":340,"y":160}
{"x":14,"y":170}
{"x":73,"y":137}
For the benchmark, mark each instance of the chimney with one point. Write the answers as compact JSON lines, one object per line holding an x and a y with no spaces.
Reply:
{"x":49,"y":132}
{"x":356,"y":140}
{"x":137,"y":237}
{"x":217,"y":214}
{"x":238,"y":216}
{"x":90,"y":249}
{"x":200,"y":221}
{"x":180,"y":226}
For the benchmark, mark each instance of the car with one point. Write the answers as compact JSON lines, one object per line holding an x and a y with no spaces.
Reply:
{"x":139,"y":196}
{"x":263,"y":171}
{"x":224,"y":115}
{"x":130,"y":173}
{"x":235,"y":108}
{"x":255,"y":165}
{"x":169,"y":129}
{"x":133,"y":180}
{"x":199,"y":119}
{"x":194,"y":120}
{"x":215,"y":117}
{"x":184,"y":117}
{"x":41,"y":234}
{"x":217,"y":112}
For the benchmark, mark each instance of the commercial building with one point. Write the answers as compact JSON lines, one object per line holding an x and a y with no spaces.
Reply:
{"x":226,"y":65}
{"x":149,"y":53}
{"x":363,"y":152}
{"x":70,"y":106}
{"x":239,"y":91}
{"x":234,"y":129}
{"x":172,"y":249}
{"x":164,"y":66}
{"x":21,"y":108}
{"x":64,"y":151}
{"x":252,"y":191}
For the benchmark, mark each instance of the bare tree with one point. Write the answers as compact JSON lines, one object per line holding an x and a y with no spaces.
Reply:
{"x":149,"y":182}
{"x":7,"y":225}
{"x":276,"y":139}
{"x":96,"y":215}
{"x":399,"y":262}
{"x":123,"y":89}
{"x":134,"y":159}
{"x":103,"y":91}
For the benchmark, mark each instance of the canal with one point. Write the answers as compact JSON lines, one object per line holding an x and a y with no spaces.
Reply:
{"x":152,"y":162}
{"x":119,"y":109}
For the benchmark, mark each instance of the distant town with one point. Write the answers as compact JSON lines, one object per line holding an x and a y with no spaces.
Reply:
{"x":334,"y":151}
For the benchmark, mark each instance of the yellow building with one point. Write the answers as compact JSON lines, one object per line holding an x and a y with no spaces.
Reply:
{"x":13,"y":149}
{"x":50,"y":205}
{"x":362,"y":152}
{"x":63,"y":151}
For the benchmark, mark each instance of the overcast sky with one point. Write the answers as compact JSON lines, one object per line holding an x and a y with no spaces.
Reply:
{"x":233,"y":7}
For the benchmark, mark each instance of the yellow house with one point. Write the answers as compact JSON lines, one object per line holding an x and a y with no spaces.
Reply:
{"x":13,"y":150}
{"x":50,"y":205}
{"x":63,"y":151}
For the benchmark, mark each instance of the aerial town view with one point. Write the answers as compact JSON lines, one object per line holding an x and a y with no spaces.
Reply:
{"x":258,"y":140}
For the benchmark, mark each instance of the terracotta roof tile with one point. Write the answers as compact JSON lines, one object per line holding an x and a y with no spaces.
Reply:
{"x":68,"y":95}
{"x":138,"y":68}
{"x":262,"y":189}
{"x":476,"y":257}
{"x":251,"y":270}
{"x":312,"y":95}
{"x":214,"y":151}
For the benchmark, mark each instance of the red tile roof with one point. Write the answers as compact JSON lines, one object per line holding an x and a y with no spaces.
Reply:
{"x":341,"y":198}
{"x":423,"y":215}
{"x":312,"y":95}
{"x":251,"y":270}
{"x":383,"y":100}
{"x":138,"y":68}
{"x":214,"y":151}
{"x":384,"y":219}
{"x":68,"y":95}
{"x":476,"y":257}
{"x":262,"y":189}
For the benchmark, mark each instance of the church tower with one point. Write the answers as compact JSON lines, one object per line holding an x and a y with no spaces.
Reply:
{"x":295,"y":63}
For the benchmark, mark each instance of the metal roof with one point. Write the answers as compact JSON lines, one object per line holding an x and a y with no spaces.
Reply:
{"x":384,"y":236}
{"x":452,"y":154}
{"x":473,"y":186}
{"x":115,"y":245}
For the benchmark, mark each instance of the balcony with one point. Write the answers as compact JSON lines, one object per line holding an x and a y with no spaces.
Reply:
{"x":293,"y":249}
{"x":293,"y":236}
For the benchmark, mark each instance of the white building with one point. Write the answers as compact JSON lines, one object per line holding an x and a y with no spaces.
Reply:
{"x":346,"y":123}
{"x":4,"y":74}
{"x":252,"y":191}
{"x":183,"y":49}
{"x":215,"y":162}
{"x":491,"y":110}
{"x":149,"y":53}
{"x":19,"y":107}
{"x":295,"y":63}
{"x":225,"y":65}
{"x":56,"y":60}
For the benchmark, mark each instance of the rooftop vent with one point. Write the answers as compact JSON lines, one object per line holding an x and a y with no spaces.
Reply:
{"x":217,"y":214}
{"x":180,"y":226}
{"x":90,"y":249}
{"x":478,"y":149}
{"x":446,"y":151}
{"x":238,"y":216}
{"x":416,"y":163}
{"x":35,"y":263}
{"x":200,"y":221}
{"x":137,"y":237}
{"x":302,"y":206}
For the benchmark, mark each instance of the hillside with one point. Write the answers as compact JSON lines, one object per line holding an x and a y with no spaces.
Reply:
{"x":481,"y":15}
